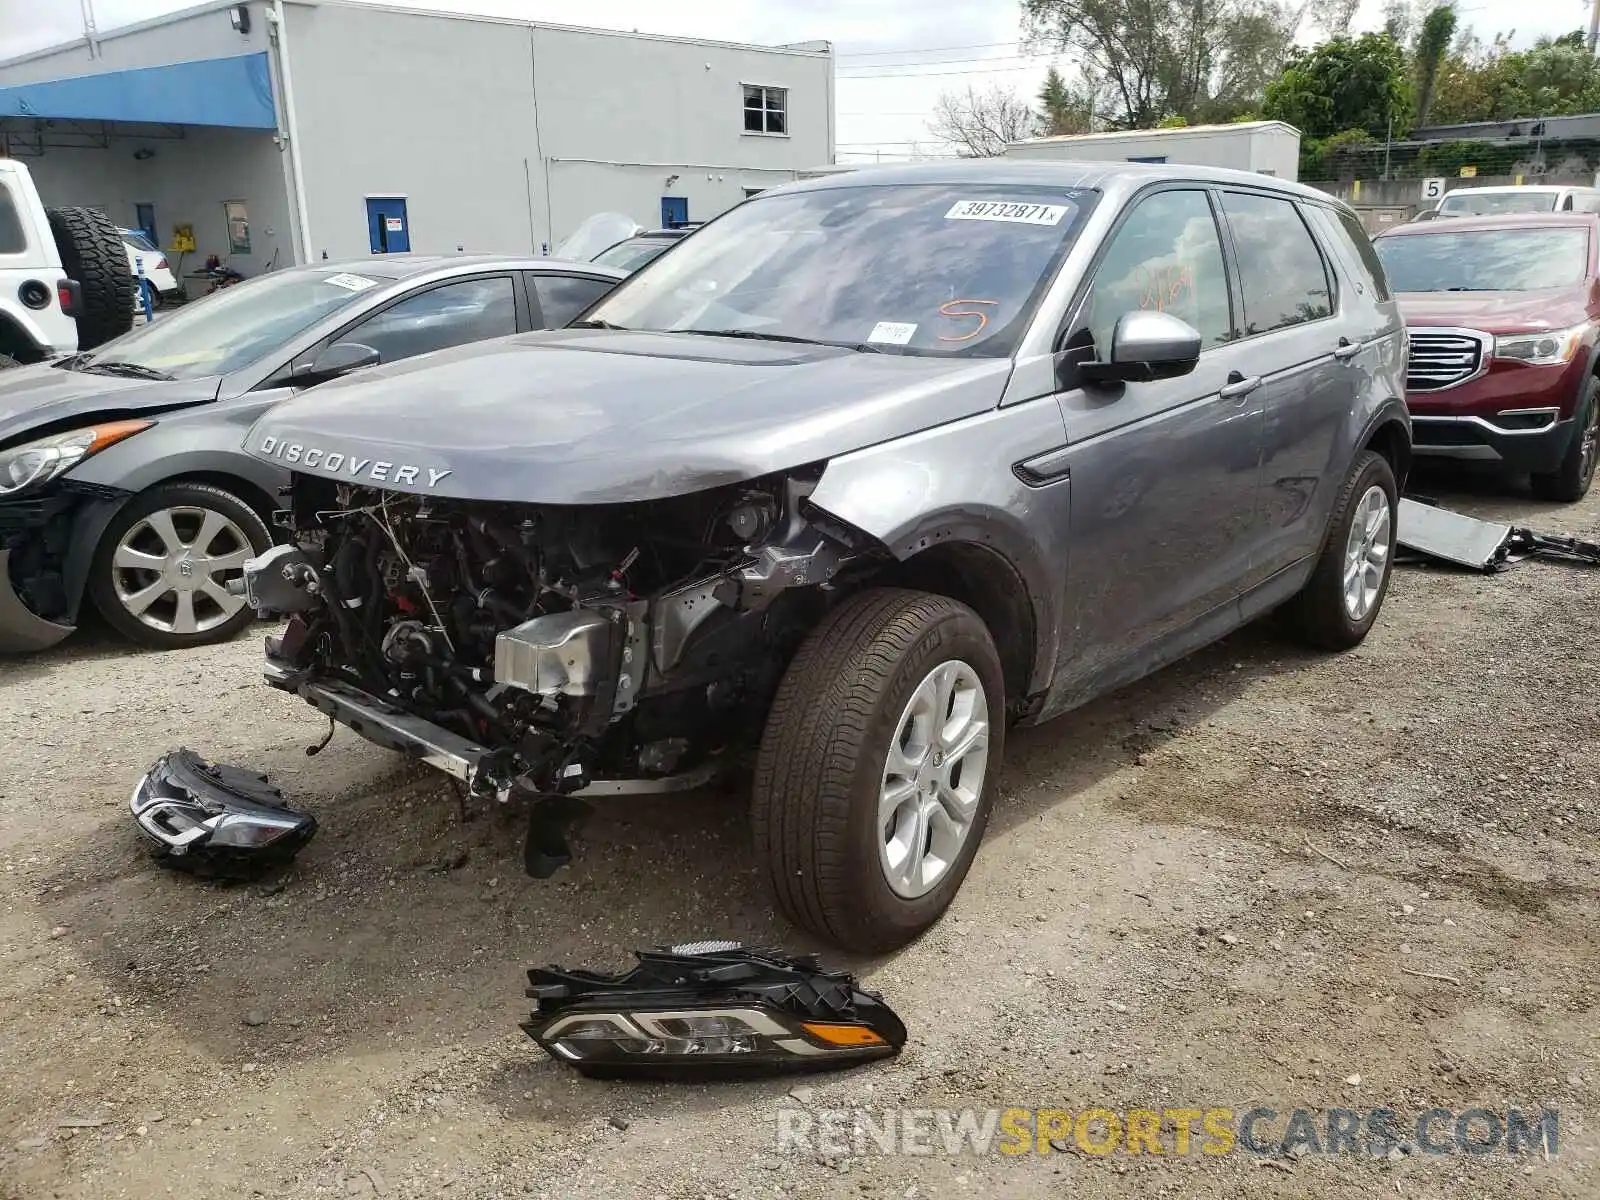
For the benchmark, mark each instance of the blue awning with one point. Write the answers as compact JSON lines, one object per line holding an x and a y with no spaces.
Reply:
{"x":233,"y":92}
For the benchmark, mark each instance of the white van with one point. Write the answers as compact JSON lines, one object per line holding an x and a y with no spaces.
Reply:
{"x":1529,"y":198}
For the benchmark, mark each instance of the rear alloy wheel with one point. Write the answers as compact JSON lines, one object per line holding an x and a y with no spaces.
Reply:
{"x":1570,"y":482}
{"x":162,"y":570}
{"x":876,"y":772}
{"x":1340,"y":602}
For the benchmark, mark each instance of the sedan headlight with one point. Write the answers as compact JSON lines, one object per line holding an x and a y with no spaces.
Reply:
{"x":29,"y":465}
{"x":1545,"y":349}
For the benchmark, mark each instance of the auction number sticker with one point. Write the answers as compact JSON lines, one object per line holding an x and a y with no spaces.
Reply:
{"x":893,"y":333}
{"x":351,"y":283}
{"x":1005,"y":210}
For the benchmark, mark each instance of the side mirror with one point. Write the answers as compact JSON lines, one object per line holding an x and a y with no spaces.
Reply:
{"x":341,"y":358}
{"x":1147,"y":346}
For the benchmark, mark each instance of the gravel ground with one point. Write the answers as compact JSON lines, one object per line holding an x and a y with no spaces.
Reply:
{"x":1224,"y":886}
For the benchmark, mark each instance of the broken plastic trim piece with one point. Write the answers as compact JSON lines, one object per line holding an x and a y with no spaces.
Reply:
{"x":216,"y":820}
{"x":1428,"y":531}
{"x":711,"y":1009}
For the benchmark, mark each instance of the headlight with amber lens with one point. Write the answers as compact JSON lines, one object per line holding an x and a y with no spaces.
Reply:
{"x":1543,"y":349}
{"x":711,"y":1008}
{"x":34,"y":463}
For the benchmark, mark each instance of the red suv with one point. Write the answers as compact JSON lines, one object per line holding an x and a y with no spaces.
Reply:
{"x":1503,"y":315}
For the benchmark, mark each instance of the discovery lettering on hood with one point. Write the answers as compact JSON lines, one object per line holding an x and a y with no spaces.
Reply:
{"x":348,"y":466}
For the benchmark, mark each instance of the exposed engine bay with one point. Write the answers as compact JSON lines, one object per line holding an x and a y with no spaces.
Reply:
{"x":548,"y":649}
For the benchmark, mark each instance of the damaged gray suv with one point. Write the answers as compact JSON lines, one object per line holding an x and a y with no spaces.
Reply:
{"x":868,"y":470}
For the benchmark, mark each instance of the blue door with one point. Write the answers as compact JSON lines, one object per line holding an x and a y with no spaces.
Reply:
{"x":144,"y":217}
{"x":387,"y":224}
{"x":674,"y":211}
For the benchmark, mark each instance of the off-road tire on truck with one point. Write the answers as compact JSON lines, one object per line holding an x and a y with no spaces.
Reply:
{"x":1318,"y":616}
{"x":1569,"y":482}
{"x":92,"y":252}
{"x":240,"y":527}
{"x":819,"y":776}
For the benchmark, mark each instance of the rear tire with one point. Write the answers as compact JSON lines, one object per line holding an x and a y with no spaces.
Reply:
{"x":1570,"y":482}
{"x":141,"y":560}
{"x":92,"y":252}
{"x":1341,"y":601}
{"x":867,"y":805}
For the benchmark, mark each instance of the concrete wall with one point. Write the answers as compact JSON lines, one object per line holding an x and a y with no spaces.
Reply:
{"x":204,"y":32}
{"x":187,"y":180}
{"x":679,"y":112}
{"x":549,"y":126}
{"x":1273,"y":149}
{"x":438,"y":111}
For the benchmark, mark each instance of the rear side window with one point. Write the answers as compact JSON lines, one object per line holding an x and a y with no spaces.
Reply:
{"x":12,"y":240}
{"x":1281,"y":272}
{"x":1366,"y":256}
{"x":563,"y":297}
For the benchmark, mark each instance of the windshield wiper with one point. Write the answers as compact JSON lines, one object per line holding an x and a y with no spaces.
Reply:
{"x":128,"y":369}
{"x":761,"y":336}
{"x":598,"y":324}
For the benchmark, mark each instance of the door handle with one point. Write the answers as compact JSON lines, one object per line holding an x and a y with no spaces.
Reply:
{"x":1238,"y":386}
{"x":1347,"y":349}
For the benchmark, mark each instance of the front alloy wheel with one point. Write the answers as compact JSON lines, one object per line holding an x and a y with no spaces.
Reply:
{"x":876,"y":770}
{"x":933,"y":779}
{"x":1366,"y":553}
{"x":162,"y":572}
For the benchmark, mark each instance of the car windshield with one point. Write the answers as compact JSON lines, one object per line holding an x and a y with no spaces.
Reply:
{"x":233,"y":327}
{"x":633,"y":253}
{"x":919,"y":269}
{"x":1489,"y":204}
{"x":1485,"y":260}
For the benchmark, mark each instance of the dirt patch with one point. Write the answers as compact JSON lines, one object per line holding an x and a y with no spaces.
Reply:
{"x":1244,"y":882}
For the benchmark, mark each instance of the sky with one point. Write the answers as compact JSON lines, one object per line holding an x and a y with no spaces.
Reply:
{"x":894,"y":57}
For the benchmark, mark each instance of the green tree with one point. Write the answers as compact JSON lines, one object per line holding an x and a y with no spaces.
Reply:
{"x":1341,"y":85}
{"x":1555,"y":77}
{"x":1063,"y":108}
{"x":1203,"y":60}
{"x":1433,"y":43}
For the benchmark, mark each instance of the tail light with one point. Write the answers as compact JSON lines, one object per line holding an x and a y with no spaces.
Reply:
{"x":161,"y":263}
{"x":69,"y":293}
{"x":710,"y":1009}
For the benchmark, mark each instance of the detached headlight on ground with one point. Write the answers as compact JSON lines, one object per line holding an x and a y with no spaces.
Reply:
{"x":216,"y":820}
{"x":1545,"y":349}
{"x":710,"y":1009}
{"x":34,"y":463}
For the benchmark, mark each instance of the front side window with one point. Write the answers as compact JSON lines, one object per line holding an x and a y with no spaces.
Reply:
{"x":1282,"y":276}
{"x":766,"y":109}
{"x":1165,"y":257}
{"x":1485,"y":260}
{"x":562,"y":297}
{"x":12,"y":239}
{"x":454,"y":314}
{"x":922,"y":269}
{"x":230,"y":329}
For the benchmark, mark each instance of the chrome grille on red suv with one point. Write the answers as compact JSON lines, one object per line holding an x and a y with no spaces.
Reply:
{"x":1441,"y":359}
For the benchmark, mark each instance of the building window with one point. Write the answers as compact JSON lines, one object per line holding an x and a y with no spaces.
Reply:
{"x":766,"y":109}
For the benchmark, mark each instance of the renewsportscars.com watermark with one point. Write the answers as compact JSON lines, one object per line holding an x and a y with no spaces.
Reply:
{"x":1375,"y":1132}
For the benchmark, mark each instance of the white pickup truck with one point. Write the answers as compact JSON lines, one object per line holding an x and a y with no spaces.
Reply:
{"x":65,"y":283}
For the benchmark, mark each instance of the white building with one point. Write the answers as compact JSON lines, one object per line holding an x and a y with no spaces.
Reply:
{"x":284,"y":131}
{"x":1266,"y":147}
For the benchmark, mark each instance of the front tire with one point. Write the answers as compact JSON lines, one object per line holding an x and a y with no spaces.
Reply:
{"x":1340,"y":603}
{"x":1570,"y":482}
{"x":877,"y":769}
{"x":160,"y":573}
